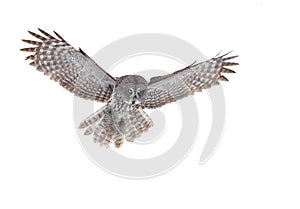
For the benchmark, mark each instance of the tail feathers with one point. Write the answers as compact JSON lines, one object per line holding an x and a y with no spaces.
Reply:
{"x":105,"y":131}
{"x":100,"y":125}
{"x":93,"y":118}
{"x":138,"y":123}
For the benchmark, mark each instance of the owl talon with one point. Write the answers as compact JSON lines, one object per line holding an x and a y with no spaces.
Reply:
{"x":118,"y":143}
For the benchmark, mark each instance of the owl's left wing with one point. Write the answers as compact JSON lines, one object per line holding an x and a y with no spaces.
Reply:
{"x":71,"y":68}
{"x":172,"y":87}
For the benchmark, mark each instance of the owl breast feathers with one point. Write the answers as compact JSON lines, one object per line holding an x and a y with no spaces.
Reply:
{"x":123,"y":116}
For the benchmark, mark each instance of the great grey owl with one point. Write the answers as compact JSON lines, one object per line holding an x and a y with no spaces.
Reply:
{"x":123,"y":116}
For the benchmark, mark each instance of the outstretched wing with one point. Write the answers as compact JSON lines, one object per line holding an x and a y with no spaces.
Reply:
{"x":172,"y":87}
{"x":73,"y":69}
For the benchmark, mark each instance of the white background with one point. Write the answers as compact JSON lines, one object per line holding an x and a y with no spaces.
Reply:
{"x":257,"y":162}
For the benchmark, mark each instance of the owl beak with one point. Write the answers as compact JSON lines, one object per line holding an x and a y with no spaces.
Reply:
{"x":134,"y":100}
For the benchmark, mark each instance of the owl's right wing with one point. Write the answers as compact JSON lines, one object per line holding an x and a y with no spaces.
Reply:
{"x":73,"y":69}
{"x":182,"y":83}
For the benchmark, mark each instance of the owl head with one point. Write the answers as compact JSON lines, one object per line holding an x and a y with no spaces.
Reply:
{"x":132,"y":89}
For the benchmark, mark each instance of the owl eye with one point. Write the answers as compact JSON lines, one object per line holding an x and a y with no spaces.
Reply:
{"x":130,"y":91}
{"x":140,"y":92}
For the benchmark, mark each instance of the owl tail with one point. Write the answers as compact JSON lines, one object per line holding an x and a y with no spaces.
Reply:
{"x":137,"y":123}
{"x":104,"y":130}
{"x":100,"y":125}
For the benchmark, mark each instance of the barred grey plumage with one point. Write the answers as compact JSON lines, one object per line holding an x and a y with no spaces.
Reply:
{"x":126,"y":97}
{"x":73,"y":69}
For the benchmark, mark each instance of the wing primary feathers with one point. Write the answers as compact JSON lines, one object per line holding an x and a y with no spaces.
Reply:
{"x":223,"y":78}
{"x":82,"y":52}
{"x":28,"y":49}
{"x":230,"y":63}
{"x":226,"y":70}
{"x":53,"y":56}
{"x":32,"y":64}
{"x":46,"y":34}
{"x":31,"y":57}
{"x":218,"y":54}
{"x":178,"y":71}
{"x":193,"y":78}
{"x":37,"y":36}
{"x":224,"y":55}
{"x":61,"y":38}
{"x":193,"y":64}
{"x":37,"y":43}
{"x":229,"y":58}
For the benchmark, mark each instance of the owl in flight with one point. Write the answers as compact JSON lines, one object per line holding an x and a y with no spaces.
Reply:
{"x":122,"y":117}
